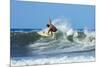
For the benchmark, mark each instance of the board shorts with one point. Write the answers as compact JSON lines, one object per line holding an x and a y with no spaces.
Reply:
{"x":53,"y":30}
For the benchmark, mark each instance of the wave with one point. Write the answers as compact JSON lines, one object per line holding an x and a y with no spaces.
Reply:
{"x":23,"y":38}
{"x":66,"y":39}
{"x":70,"y":58}
{"x":66,"y":46}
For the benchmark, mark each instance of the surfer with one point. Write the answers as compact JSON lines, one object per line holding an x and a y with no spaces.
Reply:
{"x":51,"y":27}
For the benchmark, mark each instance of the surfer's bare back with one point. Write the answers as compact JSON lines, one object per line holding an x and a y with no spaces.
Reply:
{"x":51,"y":27}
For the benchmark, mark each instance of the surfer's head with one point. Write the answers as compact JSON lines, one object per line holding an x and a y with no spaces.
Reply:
{"x":48,"y":25}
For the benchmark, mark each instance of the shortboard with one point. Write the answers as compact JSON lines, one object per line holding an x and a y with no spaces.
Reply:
{"x":44,"y":33}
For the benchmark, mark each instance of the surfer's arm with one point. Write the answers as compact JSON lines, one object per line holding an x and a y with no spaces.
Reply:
{"x":49,"y":31}
{"x":49,"y":21}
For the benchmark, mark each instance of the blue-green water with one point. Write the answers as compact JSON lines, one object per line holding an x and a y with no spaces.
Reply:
{"x":29,"y":48}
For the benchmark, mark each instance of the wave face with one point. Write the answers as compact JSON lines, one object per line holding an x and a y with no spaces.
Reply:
{"x":67,"y":45}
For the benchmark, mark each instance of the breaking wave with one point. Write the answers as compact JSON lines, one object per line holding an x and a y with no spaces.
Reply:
{"x":66,"y":40}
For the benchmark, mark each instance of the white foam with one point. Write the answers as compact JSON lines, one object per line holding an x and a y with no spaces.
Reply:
{"x":52,"y":60}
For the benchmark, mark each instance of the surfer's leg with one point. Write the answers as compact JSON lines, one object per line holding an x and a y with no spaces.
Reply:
{"x":54,"y":35}
{"x":51,"y":33}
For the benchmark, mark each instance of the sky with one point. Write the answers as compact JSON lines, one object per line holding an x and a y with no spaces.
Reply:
{"x":35,"y":15}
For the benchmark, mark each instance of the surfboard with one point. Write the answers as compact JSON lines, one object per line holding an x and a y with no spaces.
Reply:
{"x":44,"y":33}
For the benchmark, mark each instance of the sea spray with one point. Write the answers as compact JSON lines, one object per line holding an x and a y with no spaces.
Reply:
{"x":63,"y":26}
{"x":66,"y":32}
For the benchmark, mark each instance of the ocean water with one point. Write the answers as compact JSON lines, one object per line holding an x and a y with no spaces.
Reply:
{"x":68,"y":46}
